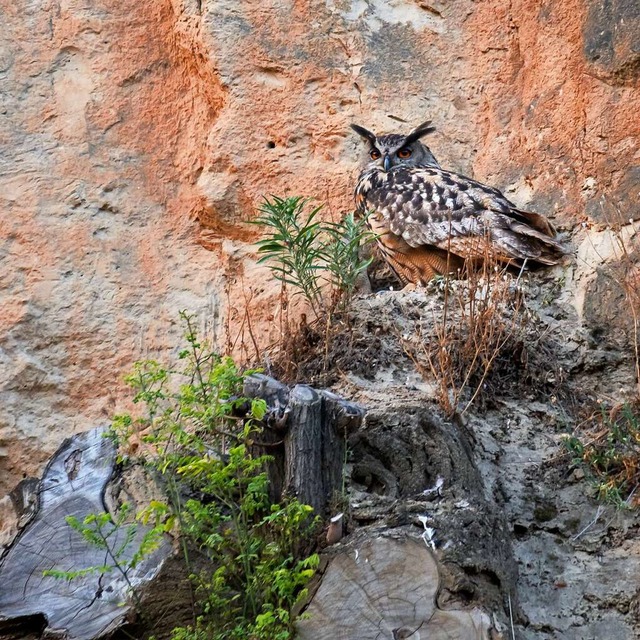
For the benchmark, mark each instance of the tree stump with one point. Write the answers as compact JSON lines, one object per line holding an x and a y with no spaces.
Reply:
{"x":88,"y":606}
{"x":386,"y":587}
{"x":305,"y":431}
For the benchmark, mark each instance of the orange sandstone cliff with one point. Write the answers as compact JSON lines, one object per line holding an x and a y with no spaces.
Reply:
{"x":137,"y":140}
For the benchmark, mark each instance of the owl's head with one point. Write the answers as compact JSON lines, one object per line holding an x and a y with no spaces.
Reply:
{"x":394,"y":149}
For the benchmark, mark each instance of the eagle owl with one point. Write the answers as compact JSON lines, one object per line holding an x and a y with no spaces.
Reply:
{"x":429,"y":221}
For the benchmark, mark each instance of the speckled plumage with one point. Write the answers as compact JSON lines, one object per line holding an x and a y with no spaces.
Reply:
{"x":429,"y":221}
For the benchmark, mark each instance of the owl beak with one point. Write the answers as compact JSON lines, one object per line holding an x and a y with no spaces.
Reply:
{"x":386,"y":163}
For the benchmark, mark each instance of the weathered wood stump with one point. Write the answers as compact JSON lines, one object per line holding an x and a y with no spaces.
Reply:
{"x":306,"y":432}
{"x":386,"y":587}
{"x":16,"y":509}
{"x":88,"y":606}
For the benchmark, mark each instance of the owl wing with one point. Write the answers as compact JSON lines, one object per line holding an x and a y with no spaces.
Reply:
{"x":431,"y":206}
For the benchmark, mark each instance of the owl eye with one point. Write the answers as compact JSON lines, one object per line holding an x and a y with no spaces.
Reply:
{"x":374,"y":153}
{"x":404,"y":153}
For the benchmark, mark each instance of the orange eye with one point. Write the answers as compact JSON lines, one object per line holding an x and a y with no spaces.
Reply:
{"x":375,"y":154}
{"x":404,"y":153}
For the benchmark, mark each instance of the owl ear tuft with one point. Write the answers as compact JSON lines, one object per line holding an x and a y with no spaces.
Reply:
{"x":419,"y":132}
{"x":364,"y":133}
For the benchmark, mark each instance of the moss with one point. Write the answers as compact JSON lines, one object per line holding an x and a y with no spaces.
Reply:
{"x":545,"y":512}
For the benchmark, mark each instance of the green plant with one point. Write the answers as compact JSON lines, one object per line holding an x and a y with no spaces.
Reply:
{"x":343,"y":259}
{"x":202,"y":431}
{"x":118,"y":537}
{"x":294,"y":246}
{"x":609,"y":454}
{"x":251,"y":543}
{"x":307,"y":253}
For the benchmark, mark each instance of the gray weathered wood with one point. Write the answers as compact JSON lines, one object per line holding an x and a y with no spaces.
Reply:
{"x":85,"y":607}
{"x":16,"y":509}
{"x":303,"y":448}
{"x":273,"y":392}
{"x":271,"y":440}
{"x":312,"y":427}
{"x":341,"y":418}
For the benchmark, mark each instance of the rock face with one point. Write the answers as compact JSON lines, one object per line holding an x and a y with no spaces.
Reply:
{"x":122,"y":125}
{"x":97,"y":246}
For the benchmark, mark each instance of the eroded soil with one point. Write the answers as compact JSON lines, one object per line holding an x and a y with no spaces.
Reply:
{"x":516,"y":524}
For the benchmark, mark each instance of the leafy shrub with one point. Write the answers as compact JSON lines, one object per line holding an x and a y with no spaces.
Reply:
{"x":252,"y":545}
{"x":609,"y":454}
{"x":308,"y":254}
{"x":201,"y":430}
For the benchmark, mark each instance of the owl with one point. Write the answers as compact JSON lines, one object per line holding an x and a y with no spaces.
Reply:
{"x":429,"y":221}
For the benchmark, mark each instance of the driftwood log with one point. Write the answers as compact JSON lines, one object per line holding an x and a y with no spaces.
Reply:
{"x":88,"y":606}
{"x":306,"y":433}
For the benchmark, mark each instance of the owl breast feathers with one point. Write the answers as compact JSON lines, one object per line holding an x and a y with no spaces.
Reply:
{"x":430,"y":221}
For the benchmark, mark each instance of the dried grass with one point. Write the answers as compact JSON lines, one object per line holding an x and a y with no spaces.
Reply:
{"x":479,"y":339}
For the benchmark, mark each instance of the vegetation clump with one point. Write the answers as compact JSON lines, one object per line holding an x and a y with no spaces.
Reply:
{"x":323,"y":263}
{"x":310,"y":254}
{"x":199,"y":433}
{"x":608,"y":451}
{"x":480,"y":340}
